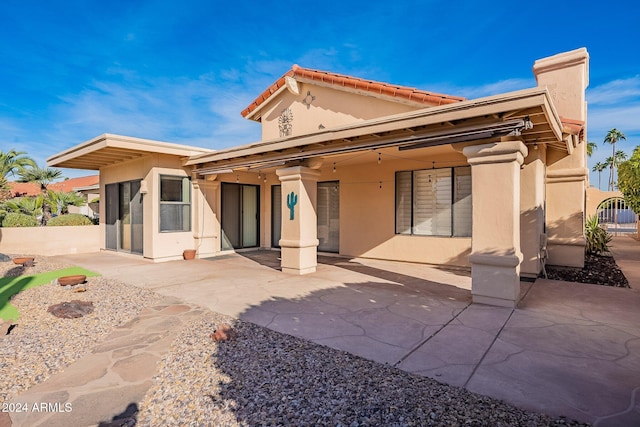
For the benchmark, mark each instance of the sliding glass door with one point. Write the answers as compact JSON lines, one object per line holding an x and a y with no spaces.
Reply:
{"x":124,"y":225}
{"x":328,"y":212}
{"x":240,"y":216}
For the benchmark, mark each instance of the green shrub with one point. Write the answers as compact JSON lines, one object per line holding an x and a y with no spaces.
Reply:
{"x":16,"y":219}
{"x":69,"y":219}
{"x":597,"y":237}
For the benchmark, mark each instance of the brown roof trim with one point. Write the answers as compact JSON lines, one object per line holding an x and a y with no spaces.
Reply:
{"x":354,"y":83}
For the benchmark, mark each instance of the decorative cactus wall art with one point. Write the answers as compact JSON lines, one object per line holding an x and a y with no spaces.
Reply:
{"x":292,"y":200}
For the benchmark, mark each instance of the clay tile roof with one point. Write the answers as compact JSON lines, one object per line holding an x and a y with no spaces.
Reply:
{"x":33,"y":189}
{"x":24,"y":189}
{"x":355,"y":83}
{"x":572,"y":126}
{"x":71,"y":183}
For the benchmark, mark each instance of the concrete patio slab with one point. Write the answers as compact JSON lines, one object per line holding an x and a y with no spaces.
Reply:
{"x":567,"y":349}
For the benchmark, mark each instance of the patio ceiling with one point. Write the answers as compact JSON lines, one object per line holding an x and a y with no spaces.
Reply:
{"x":109,"y":149}
{"x":475,"y":120}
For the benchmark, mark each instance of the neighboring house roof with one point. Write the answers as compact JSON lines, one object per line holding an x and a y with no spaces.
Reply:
{"x":24,"y":189}
{"x":385,"y":90}
{"x":109,"y":149}
{"x":32,"y":189}
{"x":72,"y":183}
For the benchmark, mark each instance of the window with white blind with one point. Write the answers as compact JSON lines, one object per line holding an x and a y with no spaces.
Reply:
{"x":434,"y":202}
{"x":175,"y":203}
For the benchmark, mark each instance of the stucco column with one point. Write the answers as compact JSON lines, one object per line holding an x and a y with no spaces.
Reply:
{"x":299,"y":240}
{"x":205,"y":222}
{"x":495,"y":246}
{"x":565,"y":216}
{"x":532,"y":196}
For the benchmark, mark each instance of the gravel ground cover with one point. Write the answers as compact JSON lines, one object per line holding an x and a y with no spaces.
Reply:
{"x":262,"y":377}
{"x":258,"y":377}
{"x":598,"y":270}
{"x":41,"y":344}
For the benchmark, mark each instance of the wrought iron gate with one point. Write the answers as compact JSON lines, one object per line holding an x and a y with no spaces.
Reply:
{"x":617,"y":216}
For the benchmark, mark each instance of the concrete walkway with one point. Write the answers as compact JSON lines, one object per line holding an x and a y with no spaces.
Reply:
{"x":625,"y":251}
{"x":568,"y":349}
{"x":110,"y":381}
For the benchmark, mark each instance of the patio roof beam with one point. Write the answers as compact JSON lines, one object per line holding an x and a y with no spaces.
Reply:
{"x":404,"y":142}
{"x":513,"y":127}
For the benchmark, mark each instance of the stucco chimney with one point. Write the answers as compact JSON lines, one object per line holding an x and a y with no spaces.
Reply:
{"x":566,"y":75}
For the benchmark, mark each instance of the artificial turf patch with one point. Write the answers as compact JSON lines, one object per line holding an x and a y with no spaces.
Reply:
{"x":10,"y":286}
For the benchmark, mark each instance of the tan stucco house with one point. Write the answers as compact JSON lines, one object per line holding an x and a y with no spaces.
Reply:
{"x":367,"y":169}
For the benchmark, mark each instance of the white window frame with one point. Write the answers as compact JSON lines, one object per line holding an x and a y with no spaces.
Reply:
{"x":185,"y":217}
{"x":444,"y":210}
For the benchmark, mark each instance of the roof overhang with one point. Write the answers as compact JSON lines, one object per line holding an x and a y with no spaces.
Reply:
{"x":87,"y":188}
{"x":445,"y":124}
{"x":107,"y":149}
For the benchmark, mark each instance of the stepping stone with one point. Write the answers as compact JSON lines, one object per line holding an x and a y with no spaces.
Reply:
{"x":71,"y":309}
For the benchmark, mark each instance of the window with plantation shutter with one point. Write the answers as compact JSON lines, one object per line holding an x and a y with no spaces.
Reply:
{"x":403,"y":202}
{"x":462,"y":202}
{"x":434,"y":202}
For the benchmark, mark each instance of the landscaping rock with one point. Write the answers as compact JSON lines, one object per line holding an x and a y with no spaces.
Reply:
{"x":4,"y":328}
{"x":71,"y":309}
{"x":598,"y":270}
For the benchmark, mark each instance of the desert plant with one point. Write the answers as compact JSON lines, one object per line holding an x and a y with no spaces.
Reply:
{"x":43,"y":177}
{"x":597,"y":238}
{"x":69,"y":219}
{"x":31,"y":206}
{"x":60,"y":201}
{"x":17,"y":219}
{"x":629,"y":180}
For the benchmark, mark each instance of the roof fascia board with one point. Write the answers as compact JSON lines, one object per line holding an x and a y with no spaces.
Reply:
{"x":356,"y":91}
{"x":551,"y":114}
{"x":466,"y":109}
{"x":254,"y":115}
{"x":126,"y":143}
{"x":78,"y":151}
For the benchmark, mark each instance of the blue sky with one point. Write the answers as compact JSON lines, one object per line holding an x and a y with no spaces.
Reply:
{"x":182,"y":71}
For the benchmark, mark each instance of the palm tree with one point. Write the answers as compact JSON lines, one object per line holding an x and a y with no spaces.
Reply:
{"x":44,"y":177}
{"x":613,"y":136}
{"x":60,"y":201}
{"x":12,"y":162}
{"x":591,"y":147}
{"x":609,"y":163}
{"x":599,"y":167}
{"x":620,"y":157}
{"x":26,"y":205}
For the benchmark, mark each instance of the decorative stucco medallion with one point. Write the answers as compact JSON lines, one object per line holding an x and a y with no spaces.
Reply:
{"x":307,"y":100}
{"x":285,"y":122}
